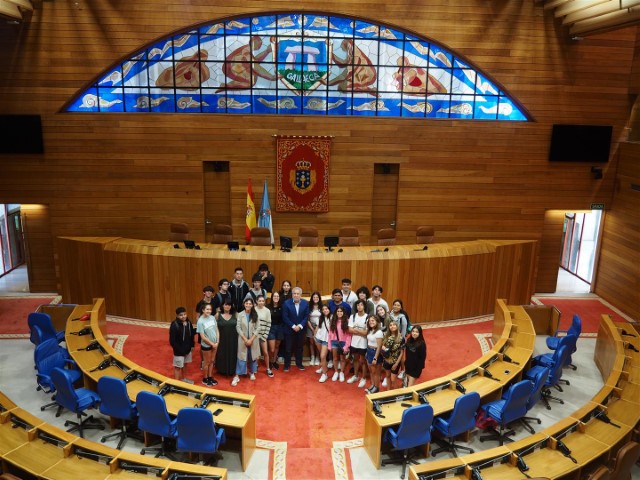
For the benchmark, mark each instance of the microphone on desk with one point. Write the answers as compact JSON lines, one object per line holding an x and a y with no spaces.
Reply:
{"x":488,"y":374}
{"x":460,"y":387}
{"x":522,"y":465}
{"x":603,"y":417}
{"x":475,"y":474}
{"x":508,"y":359}
{"x":565,"y":451}
{"x":631,"y":347}
{"x":423,"y":398}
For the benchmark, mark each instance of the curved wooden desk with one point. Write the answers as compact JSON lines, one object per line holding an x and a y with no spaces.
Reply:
{"x":238,"y":415}
{"x":37,"y":449}
{"x":513,"y":332}
{"x":147,"y":279}
{"x":591,"y":439}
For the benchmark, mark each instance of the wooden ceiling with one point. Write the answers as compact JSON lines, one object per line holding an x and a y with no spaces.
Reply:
{"x":588,"y":17}
{"x":580,"y":17}
{"x":15,"y":9}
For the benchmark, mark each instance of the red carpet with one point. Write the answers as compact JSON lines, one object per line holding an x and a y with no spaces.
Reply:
{"x":324,"y":412}
{"x":589,"y":309}
{"x":14,"y":312}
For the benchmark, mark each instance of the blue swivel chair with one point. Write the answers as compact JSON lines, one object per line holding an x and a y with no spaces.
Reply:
{"x":539,"y":378}
{"x":197,"y":432}
{"x":49,"y":355}
{"x":555,"y":375}
{"x":116,"y":404}
{"x":548,"y":359}
{"x":510,"y":408}
{"x":462,"y":419}
{"x":575,"y":329}
{"x":154,"y":418}
{"x":77,"y":400}
{"x":45,"y":329}
{"x":414,"y":430}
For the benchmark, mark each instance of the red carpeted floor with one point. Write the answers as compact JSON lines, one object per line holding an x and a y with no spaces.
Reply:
{"x":14,"y":312}
{"x":589,"y":309}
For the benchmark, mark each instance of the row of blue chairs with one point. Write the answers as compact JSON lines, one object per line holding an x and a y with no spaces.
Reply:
{"x":194,"y":428}
{"x":417,"y":422}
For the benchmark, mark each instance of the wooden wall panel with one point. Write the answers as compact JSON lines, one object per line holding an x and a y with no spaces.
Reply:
{"x":147,"y":280}
{"x":132,"y":175}
{"x":39,"y":242}
{"x":619,"y":266}
{"x":550,"y":251}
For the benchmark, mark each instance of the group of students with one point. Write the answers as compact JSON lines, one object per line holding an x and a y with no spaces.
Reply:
{"x":354,"y":333}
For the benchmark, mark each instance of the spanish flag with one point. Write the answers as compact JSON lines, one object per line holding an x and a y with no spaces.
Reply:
{"x":251,"y":213}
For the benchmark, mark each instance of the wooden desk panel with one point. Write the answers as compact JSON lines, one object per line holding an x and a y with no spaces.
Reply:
{"x":236,"y":418}
{"x":147,"y":279}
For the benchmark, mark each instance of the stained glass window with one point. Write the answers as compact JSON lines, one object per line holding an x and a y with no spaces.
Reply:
{"x":296,"y":63}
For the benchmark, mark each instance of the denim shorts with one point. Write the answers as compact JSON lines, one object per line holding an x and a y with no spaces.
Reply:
{"x":371,"y":352}
{"x":339,"y":344}
{"x":276,"y":333}
{"x":321,"y":342}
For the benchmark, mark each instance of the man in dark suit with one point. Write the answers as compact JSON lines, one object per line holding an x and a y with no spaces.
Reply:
{"x":295,"y":313}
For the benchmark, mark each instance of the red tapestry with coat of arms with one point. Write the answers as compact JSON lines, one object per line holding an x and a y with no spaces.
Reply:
{"x":302,"y":177}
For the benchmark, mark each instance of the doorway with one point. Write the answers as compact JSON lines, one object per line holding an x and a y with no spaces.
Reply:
{"x":580,"y":235}
{"x":384,"y":203}
{"x":217,"y":194}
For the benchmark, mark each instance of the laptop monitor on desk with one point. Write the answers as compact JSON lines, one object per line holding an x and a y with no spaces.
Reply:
{"x":330,"y":242}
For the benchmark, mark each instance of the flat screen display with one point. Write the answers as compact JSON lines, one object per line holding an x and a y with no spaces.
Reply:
{"x":21,"y":134}
{"x":580,"y":143}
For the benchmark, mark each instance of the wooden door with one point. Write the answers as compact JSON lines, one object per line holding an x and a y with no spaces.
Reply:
{"x":384,"y":202}
{"x":217,"y":193}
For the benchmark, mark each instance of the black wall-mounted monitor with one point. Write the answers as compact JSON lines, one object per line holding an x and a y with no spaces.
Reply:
{"x":21,"y":134}
{"x":580,"y":143}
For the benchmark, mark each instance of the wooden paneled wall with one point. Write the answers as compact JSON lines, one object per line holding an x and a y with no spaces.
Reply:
{"x":131,"y":175}
{"x":619,"y":267}
{"x":40,"y":257}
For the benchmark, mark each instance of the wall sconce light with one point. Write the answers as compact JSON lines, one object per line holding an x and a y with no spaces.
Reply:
{"x":596,"y":172}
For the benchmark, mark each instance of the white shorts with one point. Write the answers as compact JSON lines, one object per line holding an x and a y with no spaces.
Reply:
{"x":179,"y":362}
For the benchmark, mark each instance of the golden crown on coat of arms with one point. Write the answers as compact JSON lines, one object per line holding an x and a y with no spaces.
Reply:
{"x":303,"y":165}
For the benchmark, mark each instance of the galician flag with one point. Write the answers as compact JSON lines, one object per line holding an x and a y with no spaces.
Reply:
{"x":265,"y":212}
{"x":251,"y":212}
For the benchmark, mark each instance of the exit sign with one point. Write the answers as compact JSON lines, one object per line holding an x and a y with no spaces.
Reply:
{"x":597,"y":206}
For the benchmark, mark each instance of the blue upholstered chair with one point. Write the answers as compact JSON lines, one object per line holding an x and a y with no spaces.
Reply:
{"x":461,"y":420}
{"x":549,"y":359}
{"x":197,"y":432}
{"x":45,"y":329}
{"x":539,"y":378}
{"x":154,"y":418}
{"x":116,"y":404}
{"x":511,"y":407}
{"x":575,"y":329}
{"x":77,"y":400}
{"x":555,"y":375}
{"x":414,"y":430}
{"x":47,"y":356}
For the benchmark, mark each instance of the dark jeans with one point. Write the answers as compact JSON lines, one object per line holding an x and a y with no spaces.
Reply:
{"x":293,"y":344}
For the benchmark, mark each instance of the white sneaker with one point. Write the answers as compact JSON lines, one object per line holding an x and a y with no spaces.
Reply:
{"x":317,"y":361}
{"x":384,"y":382}
{"x":362,"y":383}
{"x":401,"y":374}
{"x":335,"y":376}
{"x":252,"y":376}
{"x":341,"y":377}
{"x":352,"y":379}
{"x":323,"y":378}
{"x":312,"y":360}
{"x":235,"y":381}
{"x":319,"y":370}
{"x":330,"y":364}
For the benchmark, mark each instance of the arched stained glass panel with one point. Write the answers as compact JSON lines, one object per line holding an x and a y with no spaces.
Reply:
{"x":305,"y":64}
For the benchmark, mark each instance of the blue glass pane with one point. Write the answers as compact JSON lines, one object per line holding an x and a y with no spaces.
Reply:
{"x":298,"y":63}
{"x":111,"y":100}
